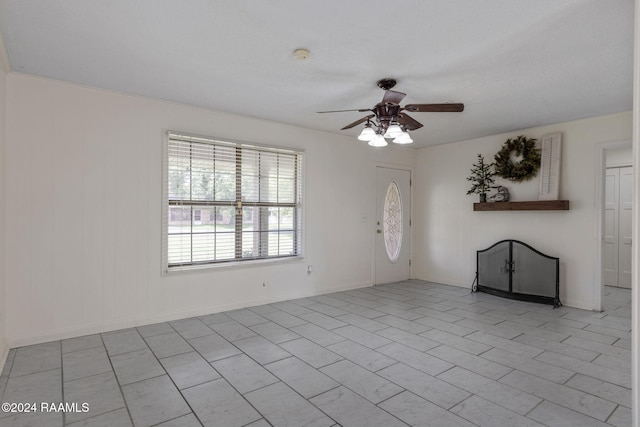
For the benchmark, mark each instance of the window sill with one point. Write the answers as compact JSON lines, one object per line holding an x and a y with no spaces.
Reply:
{"x":232,"y":265}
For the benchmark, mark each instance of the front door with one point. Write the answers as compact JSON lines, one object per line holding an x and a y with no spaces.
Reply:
{"x":393,"y":225}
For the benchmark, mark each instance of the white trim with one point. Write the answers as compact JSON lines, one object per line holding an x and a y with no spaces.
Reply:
{"x":600,"y":168}
{"x":164,"y":207}
{"x":635,"y":255}
{"x":619,"y":165}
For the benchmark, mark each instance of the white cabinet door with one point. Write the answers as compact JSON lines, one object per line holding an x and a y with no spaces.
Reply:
{"x":610,"y":244}
{"x":617,"y":227}
{"x":624,"y":227}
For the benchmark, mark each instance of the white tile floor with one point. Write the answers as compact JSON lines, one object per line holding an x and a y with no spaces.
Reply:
{"x":411,"y":353}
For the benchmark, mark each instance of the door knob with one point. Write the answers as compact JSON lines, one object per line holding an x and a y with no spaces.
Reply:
{"x":379,"y":231}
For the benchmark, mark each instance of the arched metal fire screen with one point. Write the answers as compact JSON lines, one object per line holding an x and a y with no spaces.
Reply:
{"x":513,"y":269}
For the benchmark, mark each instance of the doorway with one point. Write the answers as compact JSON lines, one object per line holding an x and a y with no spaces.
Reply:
{"x":393,"y":225}
{"x":616,"y":252}
{"x":609,"y":155}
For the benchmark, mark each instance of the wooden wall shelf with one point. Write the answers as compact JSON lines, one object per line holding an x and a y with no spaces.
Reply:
{"x":537,"y":205}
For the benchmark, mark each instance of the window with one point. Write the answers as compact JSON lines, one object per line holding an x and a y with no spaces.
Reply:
{"x":229,"y":202}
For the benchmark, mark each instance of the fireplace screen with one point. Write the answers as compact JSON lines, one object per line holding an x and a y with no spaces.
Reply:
{"x":513,"y":269}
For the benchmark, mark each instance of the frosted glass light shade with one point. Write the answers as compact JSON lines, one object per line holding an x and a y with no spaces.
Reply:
{"x":403,"y":138}
{"x":393,"y":131}
{"x":367,"y":134}
{"x":378,"y":141}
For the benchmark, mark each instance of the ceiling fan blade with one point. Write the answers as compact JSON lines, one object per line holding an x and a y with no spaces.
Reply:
{"x":357,"y":122}
{"x":392,"y":97}
{"x":409,"y":122}
{"x":342,"y":111}
{"x":435,"y":108}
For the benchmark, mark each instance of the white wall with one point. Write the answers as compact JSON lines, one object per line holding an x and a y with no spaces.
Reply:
{"x":4,"y":69}
{"x":83,"y":181}
{"x":448,"y":232}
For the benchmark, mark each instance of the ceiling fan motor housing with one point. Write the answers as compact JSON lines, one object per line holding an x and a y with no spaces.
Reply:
{"x":386,"y":84}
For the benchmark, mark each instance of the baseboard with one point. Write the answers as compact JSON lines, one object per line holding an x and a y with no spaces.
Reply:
{"x":568,"y":303}
{"x":108,"y":326}
{"x":445,"y":281}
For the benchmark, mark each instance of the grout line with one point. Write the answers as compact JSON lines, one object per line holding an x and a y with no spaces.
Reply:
{"x":170,"y":378}
{"x":534,"y":408}
{"x":126,"y":405}
{"x":64,"y":414}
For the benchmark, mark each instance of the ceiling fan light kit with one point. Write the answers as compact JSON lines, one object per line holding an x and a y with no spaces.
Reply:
{"x":393,"y":131}
{"x":378,"y":141}
{"x":388,"y":119}
{"x":405,"y":138}
{"x":367,"y":133}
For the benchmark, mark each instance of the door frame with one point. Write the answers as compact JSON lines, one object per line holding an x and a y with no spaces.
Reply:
{"x":375,"y":207}
{"x":600,"y":171}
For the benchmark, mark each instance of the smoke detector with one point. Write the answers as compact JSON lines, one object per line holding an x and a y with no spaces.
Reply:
{"x":301,"y":54}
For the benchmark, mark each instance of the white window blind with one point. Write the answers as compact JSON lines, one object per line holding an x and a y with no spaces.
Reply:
{"x":230,"y":201}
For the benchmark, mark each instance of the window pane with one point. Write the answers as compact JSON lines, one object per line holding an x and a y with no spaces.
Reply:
{"x":179,"y":219}
{"x":250,"y":219}
{"x":225,"y":159}
{"x":273,"y":219}
{"x":285,"y":243}
{"x":286,"y":166}
{"x":272,"y":241}
{"x":225,"y":245}
{"x":286,"y":218}
{"x":268,"y":189}
{"x":286,"y":190}
{"x":203,"y":247}
{"x":179,"y":169}
{"x":250,"y":244}
{"x":202,"y":172}
{"x":179,"y":248}
{"x":203,"y":220}
{"x":250,"y":188}
{"x":225,"y":186}
{"x":225,"y":224}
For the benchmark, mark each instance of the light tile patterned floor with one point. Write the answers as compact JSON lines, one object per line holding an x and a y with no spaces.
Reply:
{"x":410,"y":353}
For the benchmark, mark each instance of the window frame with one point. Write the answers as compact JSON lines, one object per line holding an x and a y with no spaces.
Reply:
{"x":238,"y":260}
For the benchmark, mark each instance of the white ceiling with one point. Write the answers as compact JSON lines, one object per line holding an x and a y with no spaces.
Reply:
{"x":513,"y":63}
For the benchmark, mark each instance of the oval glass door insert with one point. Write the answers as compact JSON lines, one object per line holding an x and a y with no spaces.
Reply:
{"x":392,"y":222}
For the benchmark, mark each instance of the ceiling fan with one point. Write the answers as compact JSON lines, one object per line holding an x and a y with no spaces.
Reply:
{"x":390,"y":120}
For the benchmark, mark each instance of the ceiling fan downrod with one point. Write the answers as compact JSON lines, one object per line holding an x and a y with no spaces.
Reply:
{"x":386,"y":84}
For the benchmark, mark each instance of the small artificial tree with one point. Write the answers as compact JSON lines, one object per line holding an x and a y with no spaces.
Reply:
{"x":481,"y":178}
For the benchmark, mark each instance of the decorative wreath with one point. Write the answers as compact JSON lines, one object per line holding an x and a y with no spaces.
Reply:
{"x":524,"y":169}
